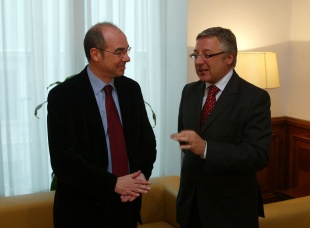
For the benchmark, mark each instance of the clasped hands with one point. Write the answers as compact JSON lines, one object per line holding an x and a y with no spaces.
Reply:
{"x":131,"y":186}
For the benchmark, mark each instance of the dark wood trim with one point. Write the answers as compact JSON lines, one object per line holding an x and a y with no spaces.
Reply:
{"x":279,"y":121}
{"x":299,"y":123}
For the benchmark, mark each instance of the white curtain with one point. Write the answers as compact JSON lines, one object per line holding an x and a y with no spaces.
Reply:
{"x":41,"y":42}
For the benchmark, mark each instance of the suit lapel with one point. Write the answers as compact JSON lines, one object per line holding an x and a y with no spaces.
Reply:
{"x":190,"y":106}
{"x":225,"y":100}
{"x":127,"y":102}
{"x":197,"y":104}
{"x":89,"y":107}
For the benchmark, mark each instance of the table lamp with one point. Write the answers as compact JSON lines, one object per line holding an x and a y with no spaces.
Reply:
{"x":258,"y":68}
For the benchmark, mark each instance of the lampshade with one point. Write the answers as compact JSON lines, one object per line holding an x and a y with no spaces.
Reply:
{"x":258,"y":68}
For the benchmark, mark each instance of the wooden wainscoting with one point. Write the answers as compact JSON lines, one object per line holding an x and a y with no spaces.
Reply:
{"x":288,"y":172}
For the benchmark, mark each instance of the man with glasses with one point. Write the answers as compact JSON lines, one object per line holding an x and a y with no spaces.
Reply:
{"x":102,"y":146}
{"x":224,"y":130}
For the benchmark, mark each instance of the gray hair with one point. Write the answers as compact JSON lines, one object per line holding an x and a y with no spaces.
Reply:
{"x":226,"y":37}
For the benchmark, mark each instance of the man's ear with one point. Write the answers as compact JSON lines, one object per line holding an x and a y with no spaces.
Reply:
{"x":95,"y":54}
{"x":229,"y":58}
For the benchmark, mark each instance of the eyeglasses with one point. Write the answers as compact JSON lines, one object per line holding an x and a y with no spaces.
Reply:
{"x":118,"y":53}
{"x":204,"y":56}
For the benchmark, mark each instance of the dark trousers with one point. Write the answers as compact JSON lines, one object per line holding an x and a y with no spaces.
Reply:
{"x":194,"y":218}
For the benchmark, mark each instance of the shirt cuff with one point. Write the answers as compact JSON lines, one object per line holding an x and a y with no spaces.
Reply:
{"x":205,"y":152}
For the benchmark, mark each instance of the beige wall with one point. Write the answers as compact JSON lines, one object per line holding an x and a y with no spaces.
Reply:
{"x":280,"y":26}
{"x":299,"y":78}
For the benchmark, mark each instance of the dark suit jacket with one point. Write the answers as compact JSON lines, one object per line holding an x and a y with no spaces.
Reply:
{"x":85,"y":194}
{"x":238,"y":134}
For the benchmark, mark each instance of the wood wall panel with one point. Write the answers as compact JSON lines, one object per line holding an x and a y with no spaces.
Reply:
{"x":289,"y":164}
{"x":299,"y":144}
{"x":269,"y":177}
{"x":299,"y":157}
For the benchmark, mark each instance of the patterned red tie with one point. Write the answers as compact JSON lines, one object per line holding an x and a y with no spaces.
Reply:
{"x":116,"y":136}
{"x":209,"y":104}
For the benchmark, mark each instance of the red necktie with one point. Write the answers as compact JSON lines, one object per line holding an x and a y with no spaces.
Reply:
{"x":116,"y":136}
{"x":209,"y":104}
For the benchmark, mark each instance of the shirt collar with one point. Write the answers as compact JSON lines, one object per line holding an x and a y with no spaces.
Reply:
{"x":221,"y":84}
{"x":96,"y":83}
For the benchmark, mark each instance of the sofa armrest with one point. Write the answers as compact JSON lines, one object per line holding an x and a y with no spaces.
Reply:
{"x":287,"y":214}
{"x":153,"y":205}
{"x":170,"y":195}
{"x":160,"y":203}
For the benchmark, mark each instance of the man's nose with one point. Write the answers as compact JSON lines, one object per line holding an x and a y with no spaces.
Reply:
{"x":126,"y":58}
{"x":199,"y":60}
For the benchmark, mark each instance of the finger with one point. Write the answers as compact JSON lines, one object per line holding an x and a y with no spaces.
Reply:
{"x":180,"y":138}
{"x":128,"y":199}
{"x":135,"y":174}
{"x":142,"y":181}
{"x":125,"y":199}
{"x":174,"y":135}
{"x":133,"y":193}
{"x":132,"y":199}
{"x":143,"y":189}
{"x":135,"y":190}
{"x":185,"y":147}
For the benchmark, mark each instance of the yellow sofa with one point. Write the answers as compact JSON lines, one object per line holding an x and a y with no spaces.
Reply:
{"x":158,"y":209}
{"x":293,"y":213}
{"x":27,"y":211}
{"x":35,"y":210}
